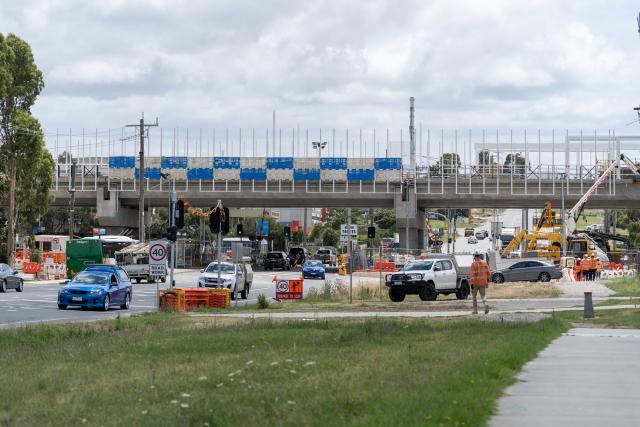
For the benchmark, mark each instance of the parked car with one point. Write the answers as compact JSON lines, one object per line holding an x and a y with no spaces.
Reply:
{"x":428,"y":278}
{"x":480,"y":235}
{"x":9,"y":279}
{"x":297,"y":256}
{"x":276,"y":260}
{"x":97,"y":286}
{"x":234,"y":276}
{"x":313,"y":269}
{"x":327,"y":256}
{"x":472,"y":240}
{"x":532,"y":270}
{"x":469,"y":232}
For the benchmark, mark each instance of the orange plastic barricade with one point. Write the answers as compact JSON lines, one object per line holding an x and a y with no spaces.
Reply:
{"x":31,"y":267}
{"x":219,"y":298}
{"x":171,"y":299}
{"x":385,"y":265}
{"x":195,"y":297}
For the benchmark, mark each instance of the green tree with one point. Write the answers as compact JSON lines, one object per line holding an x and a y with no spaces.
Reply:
{"x":330,"y":237}
{"x":448,"y":164}
{"x":21,"y":142}
{"x":518,"y":161}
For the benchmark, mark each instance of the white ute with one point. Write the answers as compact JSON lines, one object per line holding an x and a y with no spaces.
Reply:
{"x":236,"y":277}
{"x":427,"y":278}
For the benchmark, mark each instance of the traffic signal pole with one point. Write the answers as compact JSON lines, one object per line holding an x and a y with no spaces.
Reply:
{"x":172,"y":223}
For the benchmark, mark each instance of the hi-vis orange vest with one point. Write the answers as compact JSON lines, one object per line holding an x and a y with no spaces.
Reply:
{"x":586,"y":264}
{"x":480,"y":274}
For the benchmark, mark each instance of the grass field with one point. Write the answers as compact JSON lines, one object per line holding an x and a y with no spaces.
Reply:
{"x":625,"y":286}
{"x":166,"y":370}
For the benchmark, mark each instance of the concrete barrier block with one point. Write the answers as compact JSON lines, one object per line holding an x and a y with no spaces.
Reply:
{"x":333,"y":175}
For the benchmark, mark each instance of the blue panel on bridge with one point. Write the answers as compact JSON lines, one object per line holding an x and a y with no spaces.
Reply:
{"x":200,"y":173}
{"x":280,"y":163}
{"x":122,"y":162}
{"x":360,"y":174}
{"x":388,"y":163}
{"x":306,"y":174}
{"x":339,"y":163}
{"x":226,"y":163}
{"x":174,"y":162}
{"x":149,"y":173}
{"x":253,"y":174}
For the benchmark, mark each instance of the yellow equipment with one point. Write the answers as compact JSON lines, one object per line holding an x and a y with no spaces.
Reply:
{"x":342,"y":264}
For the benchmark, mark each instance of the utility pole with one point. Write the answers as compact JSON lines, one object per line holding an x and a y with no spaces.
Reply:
{"x":141,"y":222}
{"x":72,"y":200}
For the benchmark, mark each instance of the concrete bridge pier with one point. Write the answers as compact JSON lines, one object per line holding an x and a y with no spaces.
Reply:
{"x":113,"y":216}
{"x":409,"y":221}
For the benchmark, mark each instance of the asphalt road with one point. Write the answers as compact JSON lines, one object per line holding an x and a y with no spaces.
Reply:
{"x":38,"y":302}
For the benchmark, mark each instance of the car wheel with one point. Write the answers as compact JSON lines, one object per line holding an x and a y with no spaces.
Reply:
{"x":243,"y":292}
{"x":396,"y":295}
{"x":105,"y":305}
{"x":62,"y":306}
{"x":20,"y":286}
{"x":544,"y":277}
{"x":151,"y":280}
{"x":3,"y":286}
{"x":497,"y":278}
{"x":138,"y":280}
{"x":322,"y":277}
{"x":248,"y":288}
{"x":428,"y":292}
{"x":463,"y":292}
{"x":127,"y":302}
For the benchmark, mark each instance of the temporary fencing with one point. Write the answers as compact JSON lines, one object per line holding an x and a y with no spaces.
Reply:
{"x":184,"y":299}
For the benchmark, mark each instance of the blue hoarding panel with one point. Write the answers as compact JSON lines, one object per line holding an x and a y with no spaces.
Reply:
{"x":306,"y":174}
{"x":122,"y":162}
{"x":336,"y":163}
{"x":174,"y":162}
{"x":280,"y":163}
{"x":226,"y":163}
{"x":360,"y":174}
{"x":253,"y":174}
{"x":149,"y":173}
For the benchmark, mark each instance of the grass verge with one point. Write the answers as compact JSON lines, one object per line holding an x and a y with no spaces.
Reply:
{"x":165,"y":369}
{"x":620,"y":318}
{"x":624,"y":286}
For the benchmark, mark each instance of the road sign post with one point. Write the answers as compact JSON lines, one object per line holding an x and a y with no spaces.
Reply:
{"x":158,"y":263}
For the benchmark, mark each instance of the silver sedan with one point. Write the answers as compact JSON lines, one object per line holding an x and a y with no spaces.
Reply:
{"x":533,"y":270}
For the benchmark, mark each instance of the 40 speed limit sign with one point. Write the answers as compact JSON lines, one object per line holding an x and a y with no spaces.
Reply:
{"x":289,"y":289}
{"x":157,"y":258}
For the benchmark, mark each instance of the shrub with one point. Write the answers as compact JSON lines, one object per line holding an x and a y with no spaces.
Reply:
{"x":262,"y":301}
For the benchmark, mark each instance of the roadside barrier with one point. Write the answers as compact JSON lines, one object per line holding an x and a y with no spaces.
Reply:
{"x":184,"y":299}
{"x":386,"y":266}
{"x":568,"y":275}
{"x":31,"y":267}
{"x":55,"y":271}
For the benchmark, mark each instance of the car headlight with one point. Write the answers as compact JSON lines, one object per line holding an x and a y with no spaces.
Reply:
{"x":415,"y":276}
{"x":96,"y":292}
{"x":387,"y":278}
{"x":65,"y":291}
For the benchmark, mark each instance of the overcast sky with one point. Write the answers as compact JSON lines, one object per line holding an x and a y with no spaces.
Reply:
{"x":470,"y":64}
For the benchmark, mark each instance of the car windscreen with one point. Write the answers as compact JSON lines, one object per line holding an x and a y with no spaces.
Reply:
{"x":313,"y":264}
{"x":418,"y":265}
{"x":87,"y":278}
{"x":274,"y":256}
{"x":225,"y":268}
{"x":324,"y":252}
{"x":296,"y":251}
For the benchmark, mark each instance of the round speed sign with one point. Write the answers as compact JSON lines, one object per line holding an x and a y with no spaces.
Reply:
{"x":158,"y":252}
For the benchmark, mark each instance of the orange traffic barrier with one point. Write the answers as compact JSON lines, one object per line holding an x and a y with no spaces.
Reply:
{"x":195,"y":298}
{"x":385,"y":265}
{"x":31,"y":267}
{"x":172,"y":300}
{"x":181,"y":299}
{"x":219,"y":298}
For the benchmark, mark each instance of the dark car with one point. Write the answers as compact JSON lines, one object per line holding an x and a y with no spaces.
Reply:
{"x":276,"y":260}
{"x":9,"y":279}
{"x":297,"y":256}
{"x":98,"y":286}
{"x":469,"y":232}
{"x":534,"y":271}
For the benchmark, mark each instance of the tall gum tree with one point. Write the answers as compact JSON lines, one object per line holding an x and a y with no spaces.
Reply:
{"x":20,"y":84}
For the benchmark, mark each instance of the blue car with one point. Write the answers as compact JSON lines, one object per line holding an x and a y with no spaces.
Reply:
{"x":313,"y":269}
{"x":98,"y":286}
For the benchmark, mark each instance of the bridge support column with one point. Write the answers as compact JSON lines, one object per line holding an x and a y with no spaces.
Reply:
{"x":114,"y":217}
{"x":525,"y":226}
{"x":410,"y":222}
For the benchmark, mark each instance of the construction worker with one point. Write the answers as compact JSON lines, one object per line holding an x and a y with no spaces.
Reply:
{"x":598,"y":268}
{"x":480,"y":276}
{"x":594,"y":261}
{"x":586,"y":268}
{"x":578,"y":269}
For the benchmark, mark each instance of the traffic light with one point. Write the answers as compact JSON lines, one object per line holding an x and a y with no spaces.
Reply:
{"x":371,"y":232}
{"x":286,"y":232}
{"x":172,"y":233}
{"x":179,"y":214}
{"x":239,"y":230}
{"x":214,"y":220}
{"x":224,"y":221}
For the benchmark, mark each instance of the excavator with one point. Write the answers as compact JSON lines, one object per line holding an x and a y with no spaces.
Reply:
{"x":545,"y":240}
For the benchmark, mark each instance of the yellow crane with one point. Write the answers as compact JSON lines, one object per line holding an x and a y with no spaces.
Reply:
{"x":546,"y":238}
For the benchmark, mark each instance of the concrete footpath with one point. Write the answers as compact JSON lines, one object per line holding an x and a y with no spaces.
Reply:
{"x":587,"y":377}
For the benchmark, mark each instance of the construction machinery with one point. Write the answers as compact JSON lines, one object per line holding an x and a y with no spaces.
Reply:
{"x":545,"y":240}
